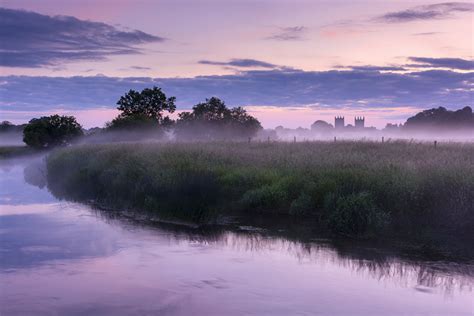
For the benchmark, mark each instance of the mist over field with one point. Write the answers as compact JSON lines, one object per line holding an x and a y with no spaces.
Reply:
{"x":236,"y":157}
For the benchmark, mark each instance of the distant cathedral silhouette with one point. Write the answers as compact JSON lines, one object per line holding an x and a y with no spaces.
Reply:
{"x":359,"y":122}
{"x":339,"y":122}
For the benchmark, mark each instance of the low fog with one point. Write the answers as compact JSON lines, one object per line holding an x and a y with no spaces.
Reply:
{"x":214,"y":121}
{"x":301,"y":134}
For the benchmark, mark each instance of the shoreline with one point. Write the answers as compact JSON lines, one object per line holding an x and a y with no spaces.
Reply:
{"x":362,"y":192}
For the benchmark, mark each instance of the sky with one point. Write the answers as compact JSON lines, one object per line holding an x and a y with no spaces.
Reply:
{"x":287,"y":62}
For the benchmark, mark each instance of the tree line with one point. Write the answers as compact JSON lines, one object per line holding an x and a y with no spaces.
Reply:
{"x":148,"y":111}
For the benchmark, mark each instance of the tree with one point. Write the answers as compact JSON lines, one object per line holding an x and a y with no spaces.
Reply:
{"x":212,"y":120}
{"x":49,"y":131}
{"x":6,"y":126}
{"x":143,"y":110}
{"x":442,"y":118}
{"x":321,"y":126}
{"x":132,"y":122}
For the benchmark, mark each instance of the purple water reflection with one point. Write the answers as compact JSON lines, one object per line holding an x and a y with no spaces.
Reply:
{"x":61,"y":258}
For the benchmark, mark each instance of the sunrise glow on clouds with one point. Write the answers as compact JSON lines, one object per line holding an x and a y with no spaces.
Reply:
{"x":288,"y":62}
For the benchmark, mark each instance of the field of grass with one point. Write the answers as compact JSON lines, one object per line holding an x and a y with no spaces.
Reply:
{"x":356,"y":189}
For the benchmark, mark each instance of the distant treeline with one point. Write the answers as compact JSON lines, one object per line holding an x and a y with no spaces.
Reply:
{"x":8,"y":127}
{"x":442,"y":118}
{"x":146,"y":114}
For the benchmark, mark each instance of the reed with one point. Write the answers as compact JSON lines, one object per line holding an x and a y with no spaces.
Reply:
{"x":358,"y":189}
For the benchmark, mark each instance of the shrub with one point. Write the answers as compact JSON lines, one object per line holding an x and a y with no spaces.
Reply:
{"x":301,"y":206}
{"x":354,"y":215}
{"x":267,"y":197}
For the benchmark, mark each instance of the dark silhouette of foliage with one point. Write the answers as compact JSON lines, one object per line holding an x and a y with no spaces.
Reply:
{"x":442,"y":118}
{"x":392,"y":127}
{"x":132,"y":122}
{"x":143,"y":110}
{"x":321,"y":126}
{"x":212,"y":120}
{"x":355,"y":215}
{"x":6,"y":126}
{"x":49,"y":131}
{"x":9,"y":127}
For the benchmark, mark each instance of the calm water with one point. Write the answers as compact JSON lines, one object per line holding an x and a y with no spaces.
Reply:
{"x":62,"y":258}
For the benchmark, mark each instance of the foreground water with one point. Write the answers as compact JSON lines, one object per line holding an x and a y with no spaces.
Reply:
{"x":62,"y":258}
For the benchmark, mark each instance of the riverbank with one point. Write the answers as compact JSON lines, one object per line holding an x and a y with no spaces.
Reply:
{"x":46,"y":241}
{"x":7,"y":152}
{"x":352,"y":189}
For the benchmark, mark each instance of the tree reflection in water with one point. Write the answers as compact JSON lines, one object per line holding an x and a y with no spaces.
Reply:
{"x":424,"y":274}
{"x":381,"y":264}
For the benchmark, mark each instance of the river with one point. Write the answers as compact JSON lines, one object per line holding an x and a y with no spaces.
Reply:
{"x":64,"y":258}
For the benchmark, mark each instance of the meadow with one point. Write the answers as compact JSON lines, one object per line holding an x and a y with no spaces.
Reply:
{"x":355,"y":189}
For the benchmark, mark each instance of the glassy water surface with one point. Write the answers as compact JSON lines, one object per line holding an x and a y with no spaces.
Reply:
{"x":63,"y":258}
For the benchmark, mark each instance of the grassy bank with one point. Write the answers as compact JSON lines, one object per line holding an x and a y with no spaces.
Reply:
{"x":357,"y":189}
{"x":16,"y":151}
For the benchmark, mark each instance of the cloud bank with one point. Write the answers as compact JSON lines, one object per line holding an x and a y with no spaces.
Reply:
{"x":373,"y":68}
{"x":452,"y":63}
{"x":282,"y":88}
{"x":241,"y":63}
{"x":34,"y":40}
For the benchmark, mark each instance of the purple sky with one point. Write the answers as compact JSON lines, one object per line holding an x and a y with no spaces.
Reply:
{"x":289,"y":62}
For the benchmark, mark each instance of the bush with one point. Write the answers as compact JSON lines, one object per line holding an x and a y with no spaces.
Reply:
{"x":354,"y":215}
{"x":302,"y":206}
{"x":265,"y":198}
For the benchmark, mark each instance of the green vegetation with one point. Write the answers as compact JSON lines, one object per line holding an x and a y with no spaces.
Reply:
{"x":441,"y":118}
{"x":142,"y":113}
{"x":51,"y":131}
{"x":357,"y":189}
{"x":15,"y":151}
{"x":9,"y":127}
{"x":213,"y":120}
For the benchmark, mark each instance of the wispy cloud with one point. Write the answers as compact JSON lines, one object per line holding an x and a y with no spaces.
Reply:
{"x":140,"y":68}
{"x":351,"y":27}
{"x":427,"y":12}
{"x":372,"y":68}
{"x":426,"y":33}
{"x":292,"y":33}
{"x":240,"y":63}
{"x":30,"y":39}
{"x":451,"y":63}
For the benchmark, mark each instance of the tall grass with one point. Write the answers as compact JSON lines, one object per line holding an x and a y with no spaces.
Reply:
{"x":353,"y":188}
{"x":16,"y":151}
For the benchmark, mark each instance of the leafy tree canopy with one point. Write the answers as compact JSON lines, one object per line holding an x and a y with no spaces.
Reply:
{"x":143,"y":110}
{"x":132,"y":122}
{"x":320,"y":125}
{"x":442,"y":118}
{"x":49,"y":131}
{"x":213,"y":120}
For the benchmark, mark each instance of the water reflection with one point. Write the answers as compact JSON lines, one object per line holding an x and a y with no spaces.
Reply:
{"x":379,"y":264}
{"x":71,"y":259}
